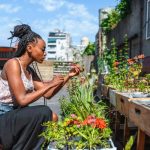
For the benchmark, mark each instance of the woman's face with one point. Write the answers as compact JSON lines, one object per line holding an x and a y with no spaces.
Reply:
{"x":38,"y":51}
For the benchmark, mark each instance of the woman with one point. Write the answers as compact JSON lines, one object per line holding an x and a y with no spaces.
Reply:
{"x":20,"y":86}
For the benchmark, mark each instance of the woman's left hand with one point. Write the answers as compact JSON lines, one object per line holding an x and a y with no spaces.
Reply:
{"x":75,"y":70}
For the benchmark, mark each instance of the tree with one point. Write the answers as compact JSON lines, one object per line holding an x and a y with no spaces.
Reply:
{"x":90,"y":49}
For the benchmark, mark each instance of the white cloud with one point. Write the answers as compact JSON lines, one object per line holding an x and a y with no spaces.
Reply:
{"x":79,"y":10}
{"x":76,"y":19}
{"x":9,"y":8}
{"x":49,"y":5}
{"x":73,"y":9}
{"x":77,"y":28}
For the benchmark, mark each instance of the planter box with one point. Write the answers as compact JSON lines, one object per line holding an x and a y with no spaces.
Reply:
{"x":112,"y":97}
{"x":139,"y":111}
{"x":109,"y":141}
{"x":105,"y":90}
{"x":122,"y":103}
{"x":123,"y":100}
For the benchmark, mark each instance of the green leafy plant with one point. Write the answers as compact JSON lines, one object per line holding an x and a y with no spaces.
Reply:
{"x":90,"y":49}
{"x":130,"y":142}
{"x":77,"y":133}
{"x":84,"y":123}
{"x":116,"y":15}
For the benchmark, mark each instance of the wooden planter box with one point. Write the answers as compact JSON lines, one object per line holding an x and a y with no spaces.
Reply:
{"x":105,"y":90}
{"x":139,"y":113}
{"x":112,"y":96}
{"x":122,"y":103}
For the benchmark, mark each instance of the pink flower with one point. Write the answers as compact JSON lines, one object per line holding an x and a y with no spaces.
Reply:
{"x":78,"y":125}
{"x":73,"y":115}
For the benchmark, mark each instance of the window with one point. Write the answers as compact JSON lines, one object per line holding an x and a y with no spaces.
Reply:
{"x":51,"y":40}
{"x":52,"y":46}
{"x":148,"y":21}
{"x":51,"y":58}
{"x":51,"y":52}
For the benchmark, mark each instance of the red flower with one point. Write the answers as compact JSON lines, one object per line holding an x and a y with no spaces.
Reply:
{"x":85,"y":122}
{"x":95,"y":122}
{"x":100,"y":123}
{"x":89,"y":120}
{"x":76,"y":122}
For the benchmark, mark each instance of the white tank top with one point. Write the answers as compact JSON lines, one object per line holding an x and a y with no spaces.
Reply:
{"x":5,"y":93}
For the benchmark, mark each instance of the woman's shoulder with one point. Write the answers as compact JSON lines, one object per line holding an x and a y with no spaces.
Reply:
{"x":12,"y":61}
{"x":11,"y":64}
{"x":9,"y":68}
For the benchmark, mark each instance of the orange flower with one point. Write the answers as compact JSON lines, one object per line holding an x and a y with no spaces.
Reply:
{"x":100,"y":123}
{"x":130,"y":61}
{"x":116,"y":63}
{"x":85,"y":122}
{"x":141,"y":56}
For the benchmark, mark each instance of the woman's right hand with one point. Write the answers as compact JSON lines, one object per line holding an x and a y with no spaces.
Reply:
{"x":58,"y":80}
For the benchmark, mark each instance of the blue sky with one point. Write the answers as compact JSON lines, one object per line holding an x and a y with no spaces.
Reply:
{"x":77,"y":17}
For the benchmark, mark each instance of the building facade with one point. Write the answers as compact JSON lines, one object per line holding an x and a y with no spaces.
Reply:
{"x":137,"y":28}
{"x":59,"y":46}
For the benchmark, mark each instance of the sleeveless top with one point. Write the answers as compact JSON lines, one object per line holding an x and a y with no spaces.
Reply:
{"x":6,"y":96}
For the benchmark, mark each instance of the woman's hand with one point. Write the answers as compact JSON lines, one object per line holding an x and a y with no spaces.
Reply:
{"x":75,"y":70}
{"x":58,"y":80}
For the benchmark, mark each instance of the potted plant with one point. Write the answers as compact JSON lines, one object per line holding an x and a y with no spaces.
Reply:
{"x":76,"y":133}
{"x":84,"y":124}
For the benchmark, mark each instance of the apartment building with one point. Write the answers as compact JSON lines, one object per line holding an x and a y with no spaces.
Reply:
{"x":59,"y":46}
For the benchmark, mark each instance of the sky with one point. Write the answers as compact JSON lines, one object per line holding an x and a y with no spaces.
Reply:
{"x":77,"y":17}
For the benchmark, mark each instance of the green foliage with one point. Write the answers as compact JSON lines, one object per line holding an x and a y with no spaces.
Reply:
{"x":84,"y":123}
{"x":73,"y":133}
{"x":90,"y":49}
{"x":81,"y":101}
{"x":111,"y":21}
{"x":117,"y":14}
{"x":129,"y":144}
{"x":116,"y":60}
{"x":123,"y":8}
{"x":124,"y":73}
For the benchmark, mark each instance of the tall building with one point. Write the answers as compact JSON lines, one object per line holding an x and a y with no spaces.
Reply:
{"x":59,"y":46}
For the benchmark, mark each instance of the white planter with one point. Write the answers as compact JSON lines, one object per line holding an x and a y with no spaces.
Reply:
{"x":50,"y":147}
{"x":140,"y":95}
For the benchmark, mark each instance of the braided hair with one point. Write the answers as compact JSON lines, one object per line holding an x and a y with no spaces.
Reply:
{"x":25,"y":36}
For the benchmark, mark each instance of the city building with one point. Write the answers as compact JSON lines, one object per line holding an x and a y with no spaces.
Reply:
{"x":83,"y":44}
{"x":59,"y":46}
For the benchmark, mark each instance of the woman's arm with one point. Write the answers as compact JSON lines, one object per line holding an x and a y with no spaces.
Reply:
{"x":38,"y":84}
{"x":73,"y":72}
{"x":13,"y":76}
